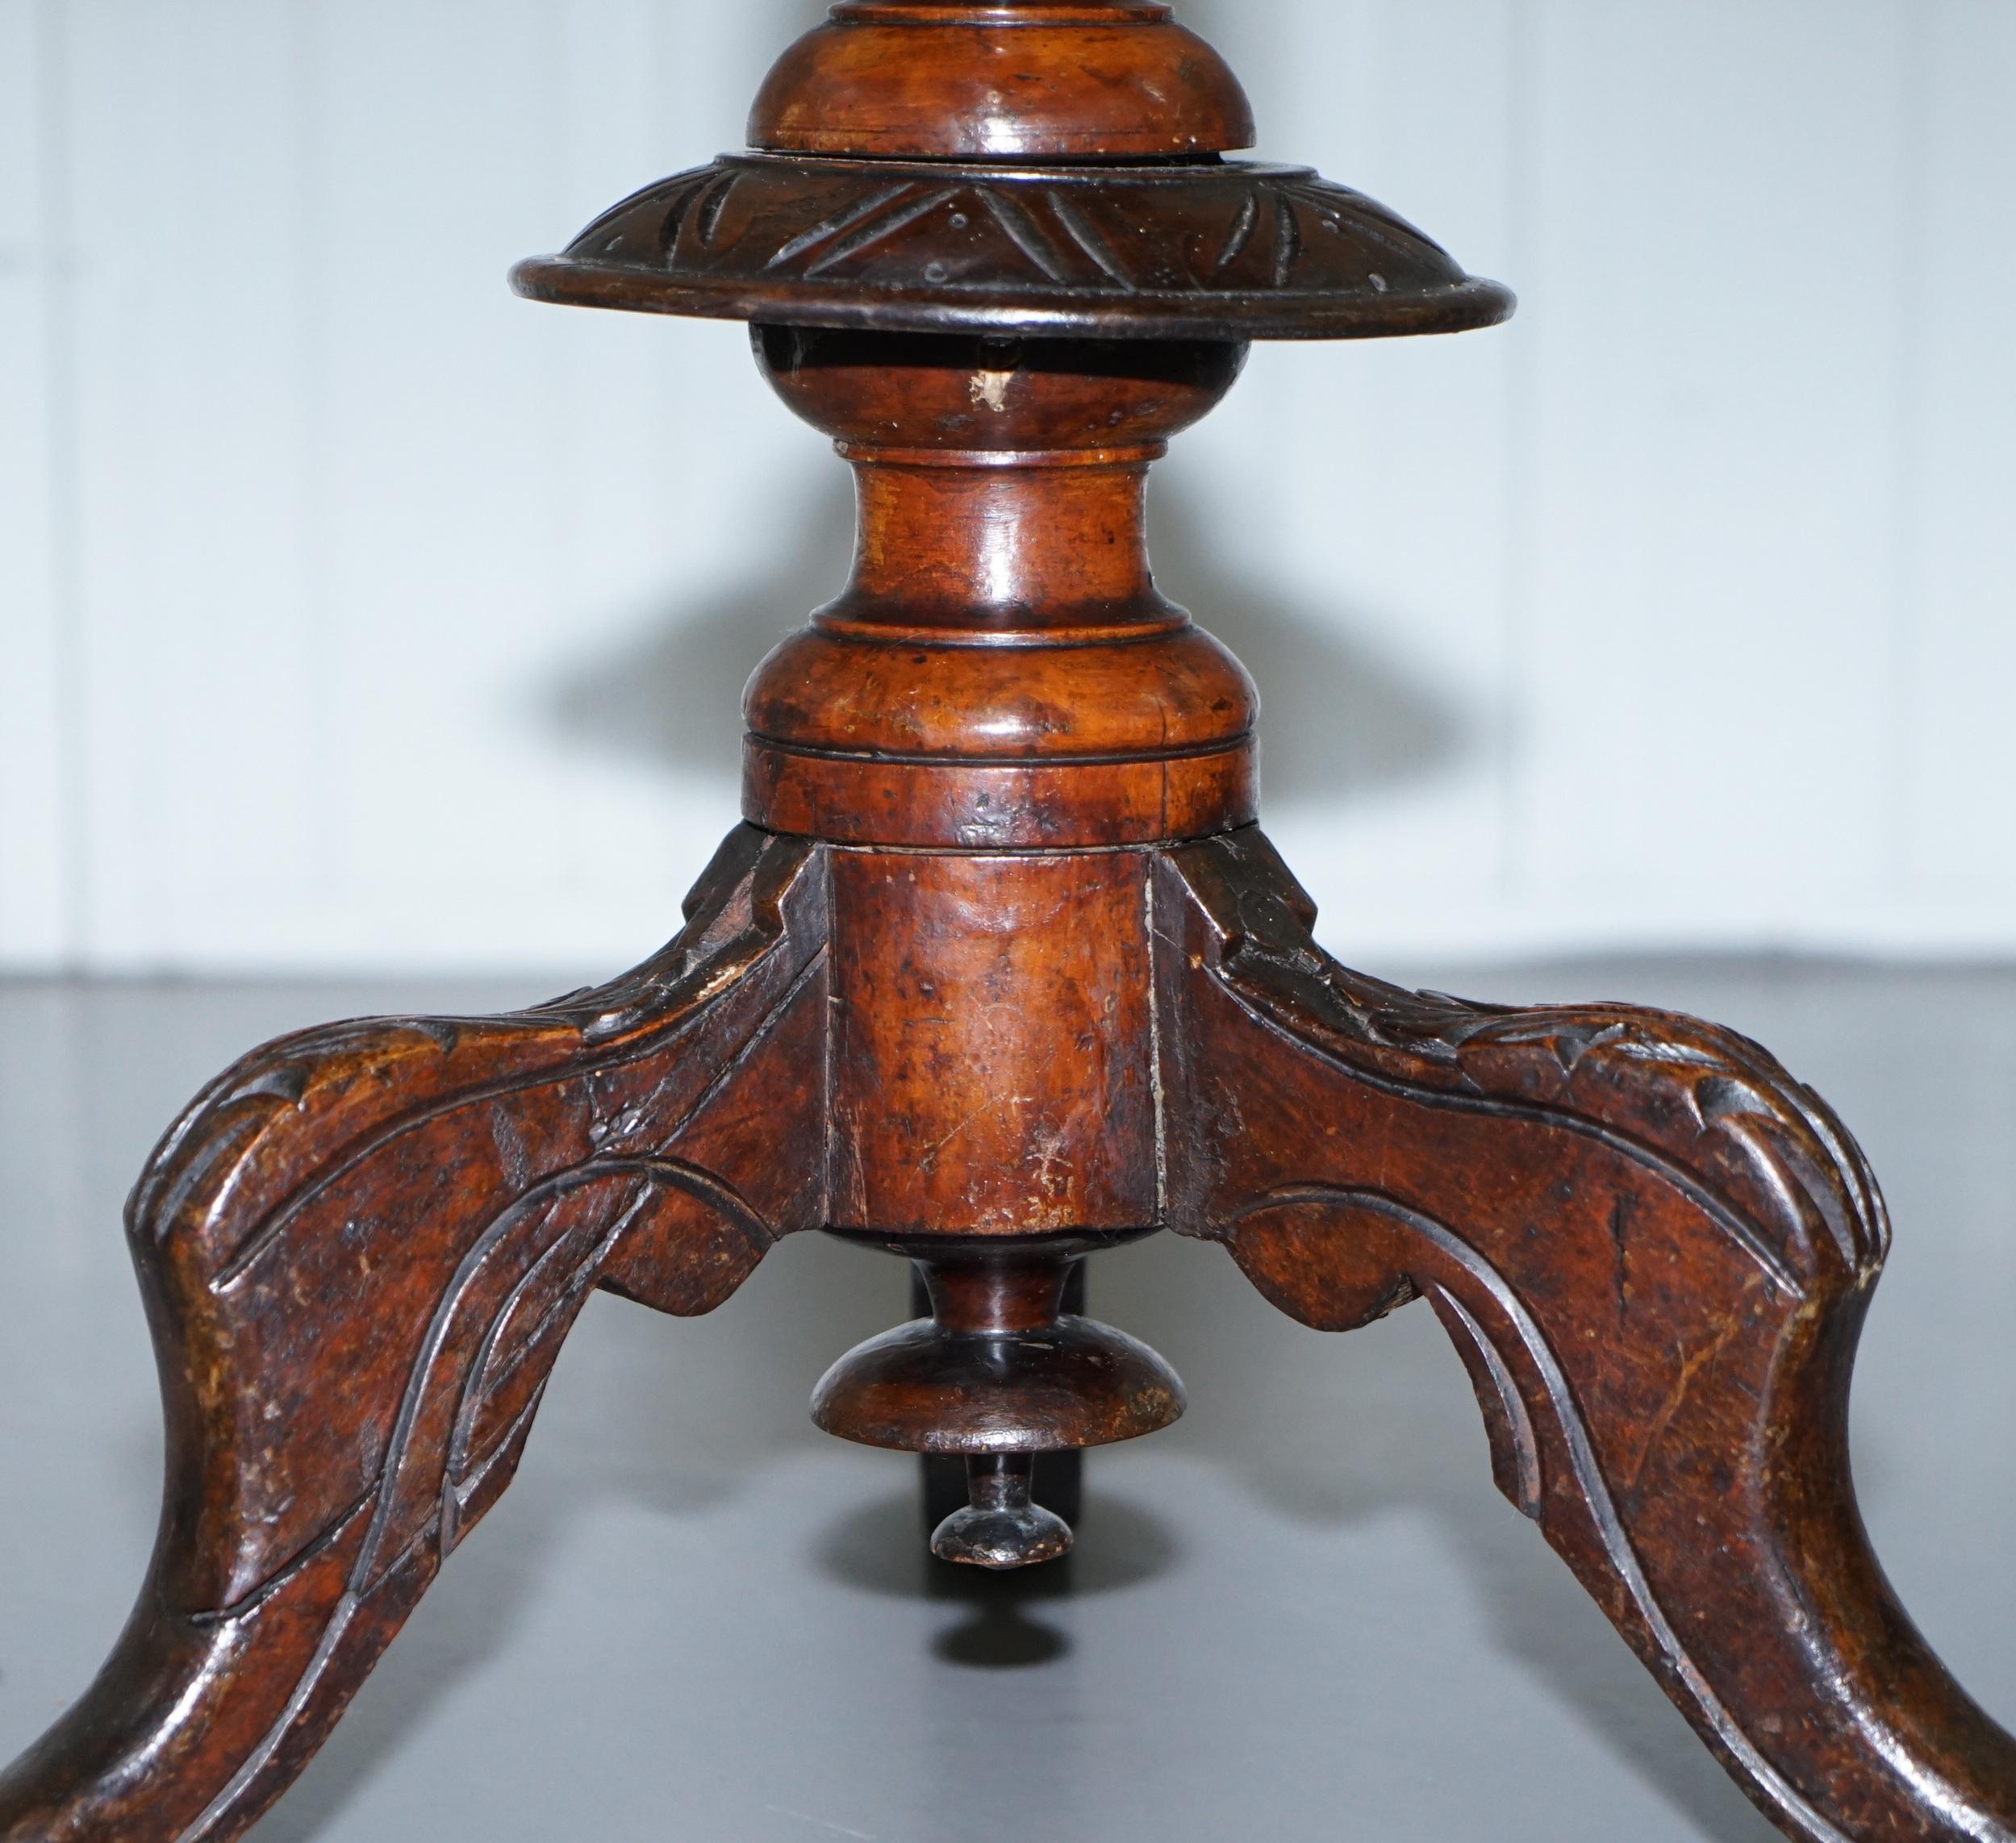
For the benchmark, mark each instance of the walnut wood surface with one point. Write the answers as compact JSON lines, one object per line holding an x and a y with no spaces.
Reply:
{"x":1000,"y":969}
{"x":1022,"y":167}
{"x":360,"y":1249}
{"x":1106,"y":82}
{"x":992,"y":1056}
{"x":1653,"y":1250}
{"x":1651,"y":1247}
{"x":999,"y":671}
{"x":1059,"y":1478}
{"x":998,"y":1366}
{"x":1233,"y":250}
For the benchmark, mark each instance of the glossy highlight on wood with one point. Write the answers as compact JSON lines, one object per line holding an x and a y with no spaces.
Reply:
{"x":361,"y":1250}
{"x":1653,"y":1250}
{"x":1007,"y":80}
{"x":999,"y":971}
{"x":1000,"y":672}
{"x":1223,"y":249}
{"x":998,"y":1367}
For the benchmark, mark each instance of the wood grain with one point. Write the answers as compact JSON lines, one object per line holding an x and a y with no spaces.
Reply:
{"x":1653,"y":1250}
{"x":999,"y":973}
{"x":1106,"y":82}
{"x":360,"y":1249}
{"x":1227,"y":250}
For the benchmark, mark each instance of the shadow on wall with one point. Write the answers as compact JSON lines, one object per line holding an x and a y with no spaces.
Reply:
{"x":671,"y":697}
{"x":1338,"y":720}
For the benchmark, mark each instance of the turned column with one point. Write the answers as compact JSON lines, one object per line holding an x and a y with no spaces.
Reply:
{"x":1000,"y":673}
{"x":991,"y":725}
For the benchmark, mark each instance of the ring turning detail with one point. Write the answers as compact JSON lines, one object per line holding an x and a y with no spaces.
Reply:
{"x":998,"y":972}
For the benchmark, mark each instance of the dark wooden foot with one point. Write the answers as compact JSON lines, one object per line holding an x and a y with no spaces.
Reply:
{"x":361,"y":1250}
{"x":1653,"y":1250}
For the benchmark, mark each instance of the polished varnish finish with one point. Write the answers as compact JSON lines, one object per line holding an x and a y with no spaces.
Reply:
{"x":360,"y":1249}
{"x":1000,"y":673}
{"x":1227,"y":249}
{"x":992,"y":1049}
{"x":998,"y":1367}
{"x":1653,"y":1249}
{"x":999,"y":971}
{"x":1033,"y":81}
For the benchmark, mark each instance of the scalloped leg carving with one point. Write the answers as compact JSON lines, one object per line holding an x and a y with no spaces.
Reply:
{"x":360,"y":1249}
{"x":1653,"y":1250}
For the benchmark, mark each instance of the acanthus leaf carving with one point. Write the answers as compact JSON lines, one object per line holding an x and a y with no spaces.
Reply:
{"x":1653,"y":1250}
{"x":362,"y":1248}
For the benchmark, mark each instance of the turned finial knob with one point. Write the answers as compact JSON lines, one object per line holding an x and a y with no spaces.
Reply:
{"x":996,"y":1375}
{"x":1001,"y":1527}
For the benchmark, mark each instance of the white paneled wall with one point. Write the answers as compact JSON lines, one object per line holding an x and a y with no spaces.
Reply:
{"x":353,"y":614}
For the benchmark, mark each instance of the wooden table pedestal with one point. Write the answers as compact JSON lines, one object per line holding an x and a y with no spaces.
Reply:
{"x":998,"y":972}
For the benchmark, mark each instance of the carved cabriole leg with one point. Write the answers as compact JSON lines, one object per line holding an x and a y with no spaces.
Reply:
{"x":361,"y":1250}
{"x":1654,"y":1250}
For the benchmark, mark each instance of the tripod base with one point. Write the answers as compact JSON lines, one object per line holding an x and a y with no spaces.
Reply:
{"x":1652,"y":1248}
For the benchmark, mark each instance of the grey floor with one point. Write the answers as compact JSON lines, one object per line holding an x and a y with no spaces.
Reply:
{"x":1303,"y":1613}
